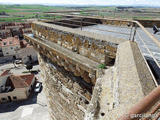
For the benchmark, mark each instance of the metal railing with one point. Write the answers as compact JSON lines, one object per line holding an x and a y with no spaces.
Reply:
{"x":149,"y":47}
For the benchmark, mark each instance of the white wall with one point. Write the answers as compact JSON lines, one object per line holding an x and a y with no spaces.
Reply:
{"x":20,"y":93}
{"x":10,"y":50}
{"x":25,"y":52}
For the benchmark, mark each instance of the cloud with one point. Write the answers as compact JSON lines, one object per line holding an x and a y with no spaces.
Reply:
{"x":85,"y":2}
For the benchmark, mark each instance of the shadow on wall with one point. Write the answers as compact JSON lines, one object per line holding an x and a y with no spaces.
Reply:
{"x":12,"y":106}
{"x":67,"y":74}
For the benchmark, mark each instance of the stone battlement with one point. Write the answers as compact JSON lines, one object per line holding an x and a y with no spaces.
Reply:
{"x":89,"y":76}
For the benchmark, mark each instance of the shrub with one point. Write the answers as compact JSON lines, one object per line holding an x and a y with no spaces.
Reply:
{"x":102,"y":66}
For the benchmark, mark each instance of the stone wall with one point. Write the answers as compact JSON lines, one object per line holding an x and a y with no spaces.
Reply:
{"x":95,"y":49}
{"x":71,"y":98}
{"x":68,"y":96}
{"x":117,"y":22}
{"x":122,"y":85}
{"x":76,"y":89}
{"x":78,"y":64}
{"x":75,"y":51}
{"x":149,"y":23}
{"x":127,"y":23}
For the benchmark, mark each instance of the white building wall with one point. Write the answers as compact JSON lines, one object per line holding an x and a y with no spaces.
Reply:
{"x":25,"y":52}
{"x":19,"y":93}
{"x":10,"y":50}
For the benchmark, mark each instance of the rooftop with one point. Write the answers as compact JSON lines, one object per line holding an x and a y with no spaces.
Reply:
{"x":17,"y":81}
{"x":5,"y":73}
{"x":10,"y":41}
{"x":28,"y":78}
{"x":21,"y":81}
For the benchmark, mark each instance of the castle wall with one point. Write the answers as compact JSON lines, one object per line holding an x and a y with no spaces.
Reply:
{"x":68,"y":95}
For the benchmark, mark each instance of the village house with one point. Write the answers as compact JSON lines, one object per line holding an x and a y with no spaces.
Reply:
{"x":10,"y":46}
{"x":14,"y":88}
{"x":28,"y":53}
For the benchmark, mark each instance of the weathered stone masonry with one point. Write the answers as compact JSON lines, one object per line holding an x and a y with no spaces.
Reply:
{"x":68,"y":97}
{"x":63,"y":53}
{"x":75,"y":87}
{"x":80,"y":67}
{"x":95,"y":49}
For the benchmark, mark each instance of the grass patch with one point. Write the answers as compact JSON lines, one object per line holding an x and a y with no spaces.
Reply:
{"x":102,"y":66}
{"x":26,"y":72}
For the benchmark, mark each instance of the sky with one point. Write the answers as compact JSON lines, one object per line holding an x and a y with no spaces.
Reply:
{"x":85,"y":2}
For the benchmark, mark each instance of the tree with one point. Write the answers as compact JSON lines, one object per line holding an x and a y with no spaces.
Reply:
{"x":29,"y":66}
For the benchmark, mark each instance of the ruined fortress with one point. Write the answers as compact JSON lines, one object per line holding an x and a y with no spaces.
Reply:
{"x":93,"y":76}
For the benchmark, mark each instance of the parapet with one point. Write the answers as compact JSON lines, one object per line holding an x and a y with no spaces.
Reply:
{"x":77,"y":87}
{"x":122,"y":85}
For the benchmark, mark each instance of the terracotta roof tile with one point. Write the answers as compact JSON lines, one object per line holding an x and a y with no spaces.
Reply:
{"x":28,"y":78}
{"x":5,"y":73}
{"x":18,"y":82}
{"x":21,"y":81}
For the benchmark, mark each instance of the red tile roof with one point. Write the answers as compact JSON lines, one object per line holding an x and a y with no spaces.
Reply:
{"x":28,"y":78}
{"x":17,"y":82}
{"x":5,"y":73}
{"x":21,"y":81}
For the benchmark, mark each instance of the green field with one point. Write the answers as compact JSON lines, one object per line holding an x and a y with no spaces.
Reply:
{"x":19,"y":13}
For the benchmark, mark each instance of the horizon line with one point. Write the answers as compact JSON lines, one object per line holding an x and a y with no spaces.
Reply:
{"x":49,"y":4}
